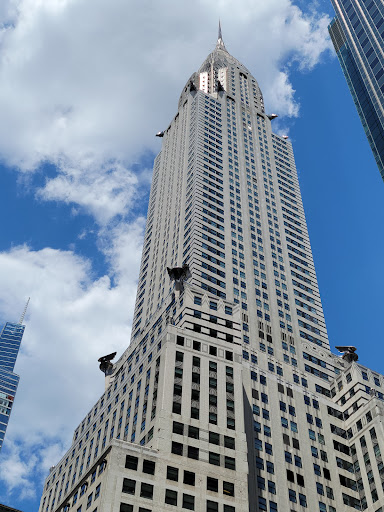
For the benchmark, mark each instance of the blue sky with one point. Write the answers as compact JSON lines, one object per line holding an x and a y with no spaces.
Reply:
{"x":82,"y":94}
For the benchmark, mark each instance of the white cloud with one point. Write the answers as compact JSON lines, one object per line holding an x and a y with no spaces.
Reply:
{"x":103,"y":191}
{"x":16,"y":472}
{"x":85,"y":85}
{"x":72,"y":320}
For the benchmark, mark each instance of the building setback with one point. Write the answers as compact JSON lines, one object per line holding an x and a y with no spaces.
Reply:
{"x":228,"y":398}
{"x":10,"y":339}
{"x":357,"y":33}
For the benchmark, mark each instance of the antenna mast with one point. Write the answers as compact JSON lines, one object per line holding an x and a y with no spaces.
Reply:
{"x":25,"y":310}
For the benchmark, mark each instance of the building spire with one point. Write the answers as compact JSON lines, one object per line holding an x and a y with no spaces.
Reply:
{"x":220,"y":43}
{"x":25,"y":310}
{"x":220,"y":36}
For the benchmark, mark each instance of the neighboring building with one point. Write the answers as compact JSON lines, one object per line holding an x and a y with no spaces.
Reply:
{"x":4,"y":508}
{"x":10,"y":339}
{"x":228,"y":398}
{"x":357,"y":33}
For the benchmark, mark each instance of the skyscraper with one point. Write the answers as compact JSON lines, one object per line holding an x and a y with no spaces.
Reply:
{"x":10,"y":339}
{"x":357,"y":33}
{"x":228,"y":398}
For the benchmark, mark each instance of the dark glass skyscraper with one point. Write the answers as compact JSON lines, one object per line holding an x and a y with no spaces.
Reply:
{"x":357,"y":33}
{"x":10,"y":339}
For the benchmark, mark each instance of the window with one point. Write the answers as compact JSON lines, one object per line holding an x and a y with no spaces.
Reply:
{"x":292,"y":495}
{"x":214,"y":458}
{"x":125,"y":507}
{"x":193,"y":453}
{"x":214,"y":438}
{"x":230,"y":463}
{"x":177,"y":448}
{"x":193,"y":432}
{"x":213,"y":418}
{"x":178,"y":428}
{"x":228,"y":488}
{"x":189,"y":478}
{"x":229,"y":442}
{"x":146,"y":491}
{"x":129,"y":486}
{"x":172,"y":473}
{"x":131,"y":462}
{"x":97,"y":491}
{"x":171,"y":497}
{"x":212,"y":506}
{"x":89,"y":500}
{"x":212,"y":484}
{"x":262,"y":503}
{"x":302,"y":500}
{"x":196,"y":361}
{"x":188,"y":502}
{"x":149,"y":467}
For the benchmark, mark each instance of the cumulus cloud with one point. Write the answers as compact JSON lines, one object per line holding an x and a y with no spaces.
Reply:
{"x":84,"y":86}
{"x":104,"y":191}
{"x":16,"y":473}
{"x":72,"y":320}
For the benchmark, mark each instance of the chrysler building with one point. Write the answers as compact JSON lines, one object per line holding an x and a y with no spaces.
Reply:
{"x":228,"y":397}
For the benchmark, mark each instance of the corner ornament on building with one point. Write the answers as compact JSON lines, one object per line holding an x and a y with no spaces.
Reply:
{"x":179,"y":275}
{"x":349,"y":355}
{"x":107,"y":367}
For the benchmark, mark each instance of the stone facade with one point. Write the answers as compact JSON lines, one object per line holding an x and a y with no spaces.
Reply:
{"x":228,"y":398}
